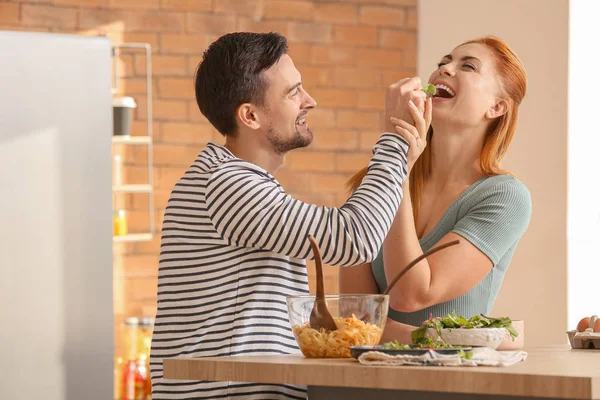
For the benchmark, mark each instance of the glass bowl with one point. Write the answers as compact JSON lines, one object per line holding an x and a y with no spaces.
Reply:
{"x":360,"y":319}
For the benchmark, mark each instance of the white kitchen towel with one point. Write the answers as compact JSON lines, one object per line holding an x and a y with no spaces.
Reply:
{"x":481,"y":356}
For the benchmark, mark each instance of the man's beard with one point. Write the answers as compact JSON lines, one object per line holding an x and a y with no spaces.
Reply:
{"x":282,"y":145}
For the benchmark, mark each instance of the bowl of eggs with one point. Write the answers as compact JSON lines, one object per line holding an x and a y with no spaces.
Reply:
{"x":587,"y":334}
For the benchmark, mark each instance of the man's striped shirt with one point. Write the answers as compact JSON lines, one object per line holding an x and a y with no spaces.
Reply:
{"x":233,"y":247}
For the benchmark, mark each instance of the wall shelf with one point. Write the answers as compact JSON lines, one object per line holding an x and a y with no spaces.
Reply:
{"x":138,"y":140}
{"x":132,"y":139}
{"x":133,"y":237}
{"x":144,"y":188}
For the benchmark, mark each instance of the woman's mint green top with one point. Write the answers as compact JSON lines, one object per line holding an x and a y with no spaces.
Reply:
{"x":492,"y":214}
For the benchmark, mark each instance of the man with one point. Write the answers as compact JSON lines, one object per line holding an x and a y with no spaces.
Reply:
{"x":233,"y":243}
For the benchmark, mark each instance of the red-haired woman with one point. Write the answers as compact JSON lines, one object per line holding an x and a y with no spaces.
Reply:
{"x":455,"y":190}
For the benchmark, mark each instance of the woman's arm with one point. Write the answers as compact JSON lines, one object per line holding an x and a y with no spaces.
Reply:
{"x":360,"y":280}
{"x":357,"y":280}
{"x":438,"y":278}
{"x":491,"y":226}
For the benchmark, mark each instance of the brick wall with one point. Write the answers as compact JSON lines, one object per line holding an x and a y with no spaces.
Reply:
{"x":348,"y":51}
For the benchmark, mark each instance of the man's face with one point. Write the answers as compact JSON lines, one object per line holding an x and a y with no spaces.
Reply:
{"x":286,"y":107}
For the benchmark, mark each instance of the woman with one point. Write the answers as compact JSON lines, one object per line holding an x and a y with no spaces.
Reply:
{"x":456,"y":190}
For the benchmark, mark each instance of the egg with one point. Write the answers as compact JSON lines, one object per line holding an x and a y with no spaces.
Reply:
{"x":597,"y":325}
{"x":584,"y":324}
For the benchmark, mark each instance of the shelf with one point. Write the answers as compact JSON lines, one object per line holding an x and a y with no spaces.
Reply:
{"x":133,"y":237}
{"x":132,"y":188}
{"x":132,"y":139}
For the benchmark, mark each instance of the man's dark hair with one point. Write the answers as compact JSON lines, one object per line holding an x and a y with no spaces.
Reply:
{"x":230,"y":75}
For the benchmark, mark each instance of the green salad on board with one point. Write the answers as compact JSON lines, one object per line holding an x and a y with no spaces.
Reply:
{"x":453,"y":321}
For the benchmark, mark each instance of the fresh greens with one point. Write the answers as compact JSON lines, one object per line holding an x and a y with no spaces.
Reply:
{"x":454,"y":321}
{"x":429,"y":89}
{"x":428,"y":344}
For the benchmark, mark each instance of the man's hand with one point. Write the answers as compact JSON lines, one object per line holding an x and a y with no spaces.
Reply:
{"x":398,"y":95}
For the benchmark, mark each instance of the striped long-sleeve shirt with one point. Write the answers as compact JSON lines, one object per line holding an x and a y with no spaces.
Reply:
{"x":233,"y":247}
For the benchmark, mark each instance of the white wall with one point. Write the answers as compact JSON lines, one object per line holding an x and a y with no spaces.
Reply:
{"x":535,"y":287}
{"x":584,"y":164}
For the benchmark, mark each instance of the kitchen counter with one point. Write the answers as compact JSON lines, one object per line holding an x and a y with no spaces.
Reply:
{"x":548,"y":372}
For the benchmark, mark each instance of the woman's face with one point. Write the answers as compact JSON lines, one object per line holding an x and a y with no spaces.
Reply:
{"x":468,"y":87}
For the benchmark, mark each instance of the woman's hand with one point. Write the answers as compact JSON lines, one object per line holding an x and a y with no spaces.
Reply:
{"x":415,"y":135}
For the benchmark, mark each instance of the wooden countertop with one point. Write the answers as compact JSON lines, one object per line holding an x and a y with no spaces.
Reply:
{"x":550,"y":371}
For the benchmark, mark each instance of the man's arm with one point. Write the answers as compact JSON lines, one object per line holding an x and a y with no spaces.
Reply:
{"x":250,"y":209}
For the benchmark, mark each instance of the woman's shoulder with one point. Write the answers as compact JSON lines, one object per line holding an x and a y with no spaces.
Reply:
{"x":503,"y":187}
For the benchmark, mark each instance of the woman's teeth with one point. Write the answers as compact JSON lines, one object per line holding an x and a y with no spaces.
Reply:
{"x":446,"y":88}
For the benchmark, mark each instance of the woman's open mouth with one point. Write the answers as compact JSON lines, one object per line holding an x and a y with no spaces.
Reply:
{"x":443,"y":92}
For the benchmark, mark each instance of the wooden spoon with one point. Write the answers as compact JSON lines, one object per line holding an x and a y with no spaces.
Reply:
{"x":320,"y":317}
{"x":416,"y":261}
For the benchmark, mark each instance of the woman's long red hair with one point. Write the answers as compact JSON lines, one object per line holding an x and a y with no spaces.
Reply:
{"x":514,"y":83}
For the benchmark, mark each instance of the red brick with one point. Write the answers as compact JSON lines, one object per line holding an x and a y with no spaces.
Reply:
{"x":329,"y":183}
{"x":336,"y":13}
{"x":309,"y":32}
{"x":163,"y":110}
{"x":358,"y":119}
{"x":23,"y":28}
{"x":246,"y":24}
{"x":411,"y":19}
{"x":140,"y":265}
{"x":394,"y":39}
{"x":140,"y":288}
{"x":323,"y":55}
{"x":300,"y":53}
{"x":134,"y":4}
{"x":169,"y":154}
{"x":187,"y":5}
{"x":289,"y":10}
{"x":380,"y":58}
{"x":336,"y":98}
{"x":394,"y":75}
{"x":321,"y":118}
{"x":176,"y":88}
{"x":410,"y":58}
{"x":149,"y":247}
{"x":361,"y":78}
{"x":351,"y":162}
{"x":252,"y":8}
{"x":48,"y":16}
{"x":162,"y":65}
{"x":81,"y":3}
{"x":170,"y":110}
{"x":186,"y":133}
{"x":315,"y":76}
{"x":336,"y":140}
{"x":135,"y":86}
{"x":382,"y":16}
{"x":349,"y":35}
{"x":305,"y":160}
{"x":371,"y":99}
{"x":195,"y":114}
{"x":392,"y":3}
{"x":169,"y":175}
{"x":206,"y":23}
{"x":136,"y":37}
{"x":293,"y":181}
{"x":184,"y":44}
{"x":9,"y":13}
{"x":141,"y":21}
{"x":368,"y":140}
{"x":125,"y":65}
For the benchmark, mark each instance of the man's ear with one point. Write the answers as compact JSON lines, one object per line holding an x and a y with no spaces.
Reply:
{"x":498,"y":109}
{"x":248,"y":116}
